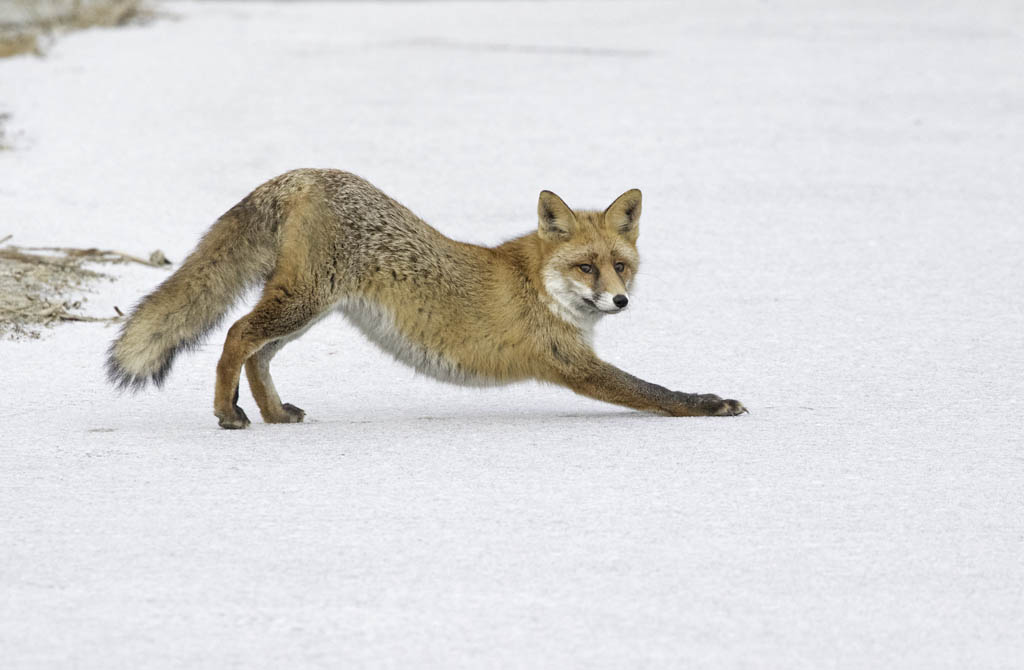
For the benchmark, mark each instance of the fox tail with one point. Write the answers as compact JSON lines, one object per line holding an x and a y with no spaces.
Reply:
{"x":232,"y":256}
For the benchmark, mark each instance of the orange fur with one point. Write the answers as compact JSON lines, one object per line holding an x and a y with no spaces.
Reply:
{"x":322,"y":240}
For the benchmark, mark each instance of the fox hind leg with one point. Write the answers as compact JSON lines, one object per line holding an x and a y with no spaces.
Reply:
{"x":257,"y":371}
{"x":279,"y":314}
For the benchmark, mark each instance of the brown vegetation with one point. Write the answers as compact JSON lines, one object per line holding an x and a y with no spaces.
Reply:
{"x":27,"y":21}
{"x":41,"y":286}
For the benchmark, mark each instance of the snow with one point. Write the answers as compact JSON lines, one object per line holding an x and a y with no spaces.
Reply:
{"x":831,"y":234}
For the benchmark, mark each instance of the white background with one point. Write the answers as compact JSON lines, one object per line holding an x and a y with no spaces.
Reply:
{"x":831,"y":234}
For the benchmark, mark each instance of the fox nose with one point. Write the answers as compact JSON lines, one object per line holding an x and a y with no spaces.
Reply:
{"x":620,"y":301}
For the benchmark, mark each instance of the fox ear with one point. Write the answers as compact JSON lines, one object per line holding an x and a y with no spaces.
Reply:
{"x":555,"y":221}
{"x":623,"y":215}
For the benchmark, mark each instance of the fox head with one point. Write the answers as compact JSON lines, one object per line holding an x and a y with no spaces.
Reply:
{"x":590,"y":257}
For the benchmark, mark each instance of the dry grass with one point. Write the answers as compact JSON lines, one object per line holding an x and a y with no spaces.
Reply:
{"x":42,"y":286}
{"x":3,"y":135}
{"x":32,"y":20}
{"x":18,"y":42}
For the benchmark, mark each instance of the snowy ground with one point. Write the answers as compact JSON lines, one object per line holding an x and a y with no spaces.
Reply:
{"x":831,"y":234}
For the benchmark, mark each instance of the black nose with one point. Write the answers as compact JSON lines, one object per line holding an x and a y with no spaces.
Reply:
{"x":620,"y":301}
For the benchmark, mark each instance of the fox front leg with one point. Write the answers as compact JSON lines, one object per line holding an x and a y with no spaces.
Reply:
{"x":606,"y":382}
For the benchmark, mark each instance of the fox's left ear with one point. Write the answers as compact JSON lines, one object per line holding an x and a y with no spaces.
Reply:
{"x":555,"y":220}
{"x":623,"y":215}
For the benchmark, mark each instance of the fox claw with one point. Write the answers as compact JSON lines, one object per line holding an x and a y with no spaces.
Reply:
{"x":291,"y":414}
{"x":731,"y":408}
{"x":237,"y":419}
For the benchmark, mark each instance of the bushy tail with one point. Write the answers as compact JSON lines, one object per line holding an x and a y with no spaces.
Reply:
{"x":233,"y":255}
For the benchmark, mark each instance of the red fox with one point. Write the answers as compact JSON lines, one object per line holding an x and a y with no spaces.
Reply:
{"x":324,"y":240}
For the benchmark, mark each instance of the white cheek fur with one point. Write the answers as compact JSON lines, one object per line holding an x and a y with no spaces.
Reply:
{"x":566,"y":299}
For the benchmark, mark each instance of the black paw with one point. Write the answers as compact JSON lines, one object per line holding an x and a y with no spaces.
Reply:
{"x":729,"y":408}
{"x":291,"y":414}
{"x":234,"y":419}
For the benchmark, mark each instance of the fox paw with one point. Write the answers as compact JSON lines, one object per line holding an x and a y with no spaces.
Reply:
{"x":729,"y":408}
{"x":704,"y":404}
{"x":235,"y":418}
{"x":291,"y":414}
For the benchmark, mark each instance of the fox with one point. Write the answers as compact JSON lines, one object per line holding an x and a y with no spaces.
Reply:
{"x":321,"y":240}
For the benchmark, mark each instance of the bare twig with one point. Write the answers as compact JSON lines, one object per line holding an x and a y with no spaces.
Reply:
{"x":67,"y":316}
{"x":156,"y":259}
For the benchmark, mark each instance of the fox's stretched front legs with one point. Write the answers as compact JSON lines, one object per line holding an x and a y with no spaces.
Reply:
{"x":606,"y":382}
{"x":253,"y":341}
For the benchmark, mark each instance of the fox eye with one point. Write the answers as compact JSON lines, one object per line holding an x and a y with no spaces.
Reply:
{"x":619,"y":267}
{"x":586,"y":268}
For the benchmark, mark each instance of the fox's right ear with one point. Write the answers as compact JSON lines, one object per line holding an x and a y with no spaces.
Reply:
{"x":555,"y":221}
